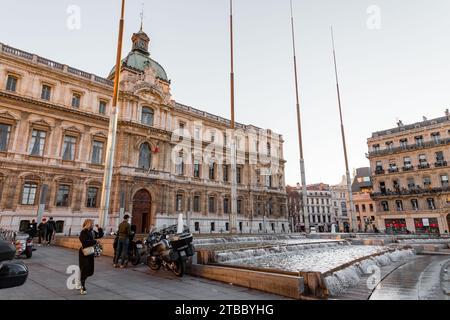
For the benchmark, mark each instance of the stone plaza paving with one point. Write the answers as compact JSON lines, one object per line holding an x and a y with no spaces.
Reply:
{"x":48,"y":277}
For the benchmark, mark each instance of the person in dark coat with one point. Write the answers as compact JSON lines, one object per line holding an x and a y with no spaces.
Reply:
{"x":51,"y":229}
{"x":42,"y":230}
{"x":86,"y":263}
{"x":32,"y":228}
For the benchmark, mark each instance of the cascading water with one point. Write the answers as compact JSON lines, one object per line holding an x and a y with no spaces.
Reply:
{"x":343,"y":279}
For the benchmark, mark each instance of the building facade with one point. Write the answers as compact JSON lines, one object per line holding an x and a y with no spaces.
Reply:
{"x":319,"y":205}
{"x":339,"y":200}
{"x":410,"y":176}
{"x":365,"y":207}
{"x":170,"y":158}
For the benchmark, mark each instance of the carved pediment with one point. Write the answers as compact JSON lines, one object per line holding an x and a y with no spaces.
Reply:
{"x":41,"y":122}
{"x":99,"y":134}
{"x":72,"y":129}
{"x":8,"y":115}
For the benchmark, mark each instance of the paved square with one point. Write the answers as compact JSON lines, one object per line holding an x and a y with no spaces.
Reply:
{"x":47,"y":280}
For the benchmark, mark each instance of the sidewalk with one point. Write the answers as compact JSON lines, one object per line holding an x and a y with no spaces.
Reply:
{"x":47,"y":280}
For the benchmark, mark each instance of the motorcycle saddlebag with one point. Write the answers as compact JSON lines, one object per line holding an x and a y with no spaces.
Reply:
{"x":181,"y":240}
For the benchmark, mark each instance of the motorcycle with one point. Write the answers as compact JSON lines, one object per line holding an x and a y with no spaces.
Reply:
{"x":170,"y":251}
{"x":137,"y":250}
{"x":24,"y":245}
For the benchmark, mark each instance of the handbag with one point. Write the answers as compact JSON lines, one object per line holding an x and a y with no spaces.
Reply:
{"x":89,"y":251}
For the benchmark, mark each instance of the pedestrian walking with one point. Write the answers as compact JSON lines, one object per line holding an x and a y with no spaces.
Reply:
{"x":123,"y":241}
{"x":51,"y":228}
{"x":42,"y":230}
{"x":86,"y":254}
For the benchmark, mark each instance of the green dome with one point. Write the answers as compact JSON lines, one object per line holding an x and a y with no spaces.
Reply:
{"x":138,"y":61}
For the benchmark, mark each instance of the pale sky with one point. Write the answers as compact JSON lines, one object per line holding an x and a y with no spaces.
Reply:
{"x":399,"y":71}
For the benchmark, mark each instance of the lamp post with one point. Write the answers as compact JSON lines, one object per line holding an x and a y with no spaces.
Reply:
{"x":112,"y":132}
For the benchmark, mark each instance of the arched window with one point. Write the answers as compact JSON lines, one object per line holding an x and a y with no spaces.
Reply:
{"x":145,"y":158}
{"x":147,"y":116}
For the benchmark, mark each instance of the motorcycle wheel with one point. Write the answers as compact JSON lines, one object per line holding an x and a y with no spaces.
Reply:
{"x":154,"y":265}
{"x":135,"y":258}
{"x":179,"y":267}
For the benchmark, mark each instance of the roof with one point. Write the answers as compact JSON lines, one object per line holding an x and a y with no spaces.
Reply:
{"x":361,"y":173}
{"x":138,"y":61}
{"x":402,"y":128}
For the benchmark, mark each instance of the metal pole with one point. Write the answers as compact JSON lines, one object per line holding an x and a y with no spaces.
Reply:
{"x":233,"y":215}
{"x":349,"y":185}
{"x":112,"y":132}
{"x":300,"y":139}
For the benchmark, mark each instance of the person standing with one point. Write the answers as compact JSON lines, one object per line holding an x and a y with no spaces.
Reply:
{"x":51,"y":228}
{"x":42,"y":230}
{"x":86,"y":262}
{"x":32,"y":229}
{"x":122,"y":243}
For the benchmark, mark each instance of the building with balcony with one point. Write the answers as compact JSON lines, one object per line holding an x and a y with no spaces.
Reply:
{"x":410,"y":175}
{"x":365,"y":207}
{"x":170,"y":158}
{"x":339,"y":200}
{"x":319,"y":206}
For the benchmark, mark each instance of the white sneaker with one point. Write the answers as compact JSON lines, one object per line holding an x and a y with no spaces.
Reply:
{"x":83,"y":292}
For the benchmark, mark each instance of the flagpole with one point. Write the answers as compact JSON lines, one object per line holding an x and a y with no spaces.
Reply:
{"x":233,"y":215}
{"x":300,"y":138}
{"x":112,"y":131}
{"x":349,"y":185}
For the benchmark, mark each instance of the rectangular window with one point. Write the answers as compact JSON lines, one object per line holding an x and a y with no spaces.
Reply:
{"x":97,"y":152}
{"x":371,"y":207}
{"x":385,"y":205}
{"x":439,"y":159}
{"x":5,"y":131}
{"x":226,"y":203}
{"x":213,"y":227}
{"x":404,"y":143}
{"x":239,"y":206}
{"x":427,"y":182}
{"x":436,"y":136}
{"x":196,"y":203}
{"x":211,"y":205}
{"x":399,"y":205}
{"x":196,"y":169}
{"x":76,"y":100}
{"x":212,"y":172}
{"x":225,"y":173}
{"x":69,"y":148}
{"x":414,"y":204}
{"x":92,"y":195}
{"x":197,"y":133}
{"x":29,"y":193}
{"x":62,"y":197}
{"x":363,"y":207}
{"x":431,"y":205}
{"x":178,"y":202}
{"x":227,"y":226}
{"x":147,"y":116}
{"x":179,"y":166}
{"x":37,"y":143}
{"x":419,"y":141}
{"x":238,"y":174}
{"x":444,"y":181}
{"x":46,"y":92}
{"x":197,"y":226}
{"x":376,"y":148}
{"x":11,"y":83}
{"x":102,"y":107}
{"x":357,"y":207}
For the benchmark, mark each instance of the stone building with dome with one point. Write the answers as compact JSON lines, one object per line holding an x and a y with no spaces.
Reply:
{"x":53,"y":132}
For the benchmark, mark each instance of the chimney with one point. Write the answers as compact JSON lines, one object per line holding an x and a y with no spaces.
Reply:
{"x":447,"y":113}
{"x":400,"y":123}
{"x":424,"y":118}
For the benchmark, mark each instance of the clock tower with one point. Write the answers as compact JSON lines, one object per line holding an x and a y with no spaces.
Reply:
{"x":141,"y":42}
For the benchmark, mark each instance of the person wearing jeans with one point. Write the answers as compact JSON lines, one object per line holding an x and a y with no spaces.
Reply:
{"x":122,"y":243}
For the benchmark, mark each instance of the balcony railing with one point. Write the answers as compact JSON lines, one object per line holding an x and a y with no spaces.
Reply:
{"x":408,"y":168}
{"x":392,"y":170}
{"x":440,"y":164}
{"x":424,"y":166}
{"x":409,"y":192}
{"x":379,"y":171}
{"x":409,"y":147}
